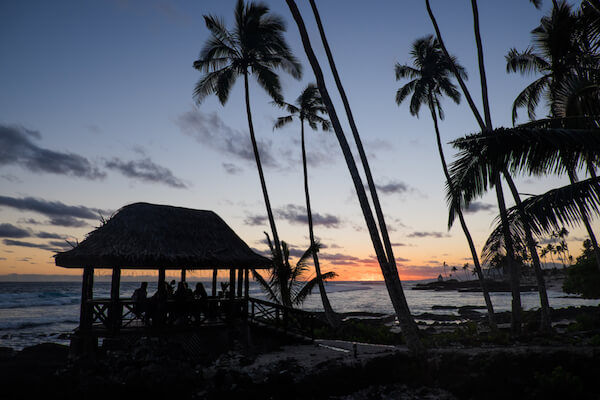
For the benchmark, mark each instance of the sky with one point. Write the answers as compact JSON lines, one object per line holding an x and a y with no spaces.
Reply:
{"x":96,"y":112}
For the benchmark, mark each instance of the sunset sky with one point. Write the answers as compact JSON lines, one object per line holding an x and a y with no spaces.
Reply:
{"x":96,"y":112}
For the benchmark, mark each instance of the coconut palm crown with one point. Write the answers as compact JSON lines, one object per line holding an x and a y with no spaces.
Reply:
{"x":256,"y":45}
{"x":431,"y":76}
{"x":285,"y":285}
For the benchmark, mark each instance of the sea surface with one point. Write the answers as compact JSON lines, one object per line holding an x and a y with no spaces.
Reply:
{"x":36,"y":312}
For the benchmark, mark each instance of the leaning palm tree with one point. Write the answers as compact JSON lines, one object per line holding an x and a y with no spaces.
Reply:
{"x":285,"y":285}
{"x":255,"y":46}
{"x":556,"y":52}
{"x":564,"y":54}
{"x":486,"y":125}
{"x":309,"y":108}
{"x":430,"y":80}
{"x":386,"y":262}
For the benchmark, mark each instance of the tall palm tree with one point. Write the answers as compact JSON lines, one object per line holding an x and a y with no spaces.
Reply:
{"x":556,"y":52}
{"x":388,"y":268}
{"x":516,"y":312}
{"x":430,"y":79}
{"x":309,"y":108}
{"x":285,"y":285}
{"x":563,"y":52}
{"x":255,"y":46}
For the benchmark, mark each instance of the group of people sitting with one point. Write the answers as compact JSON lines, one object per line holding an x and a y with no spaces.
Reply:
{"x":175,"y":307}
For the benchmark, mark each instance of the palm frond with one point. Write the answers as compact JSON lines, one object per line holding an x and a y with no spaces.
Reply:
{"x":265,"y":286}
{"x":547,"y":213}
{"x":530,"y":96}
{"x":308,"y":287}
{"x":268,"y":80}
{"x":404,"y":91}
{"x":406,"y":71}
{"x":526,"y":62}
{"x":282,"y":121}
{"x":527,"y":149}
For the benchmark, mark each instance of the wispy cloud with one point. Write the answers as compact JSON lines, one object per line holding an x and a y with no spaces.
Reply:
{"x":231,"y":169}
{"x":59,"y":213}
{"x":11,"y":231}
{"x":17,"y":148}
{"x":393,"y":187}
{"x":145,"y":170}
{"x":477,"y":206}
{"x":210,"y":130}
{"x":295,"y":214}
{"x":42,"y":246}
{"x":436,"y":235}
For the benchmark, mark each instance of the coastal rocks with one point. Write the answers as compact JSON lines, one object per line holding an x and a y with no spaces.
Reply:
{"x":470,"y":286}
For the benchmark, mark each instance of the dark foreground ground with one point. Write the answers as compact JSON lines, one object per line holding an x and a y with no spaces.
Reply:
{"x":465,"y":362}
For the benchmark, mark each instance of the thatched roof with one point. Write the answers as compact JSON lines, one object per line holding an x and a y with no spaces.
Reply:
{"x":150,"y":236}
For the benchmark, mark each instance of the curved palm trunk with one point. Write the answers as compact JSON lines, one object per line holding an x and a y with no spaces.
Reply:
{"x":487,"y":125}
{"x":585,"y":220}
{"x":463,"y":224}
{"x":513,"y":265}
{"x":390,"y":274}
{"x":545,"y":320}
{"x":361,"y":152}
{"x":263,"y":184}
{"x":330,"y":315}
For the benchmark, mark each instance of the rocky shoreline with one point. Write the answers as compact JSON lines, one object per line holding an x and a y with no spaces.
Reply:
{"x":464,"y":362}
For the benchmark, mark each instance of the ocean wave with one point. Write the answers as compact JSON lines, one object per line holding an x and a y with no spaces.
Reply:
{"x":32,"y":324}
{"x":36,"y":299}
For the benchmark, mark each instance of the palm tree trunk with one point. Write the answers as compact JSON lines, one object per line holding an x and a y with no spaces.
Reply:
{"x":361,"y":151}
{"x":463,"y":224}
{"x":487,"y":125}
{"x":390,"y":274}
{"x":545,"y":320}
{"x":584,"y":218}
{"x":330,"y":315}
{"x":514,"y":268}
{"x":263,"y":184}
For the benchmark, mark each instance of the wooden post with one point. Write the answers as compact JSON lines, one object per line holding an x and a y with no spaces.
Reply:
{"x":246,"y":290}
{"x":214,"y":283}
{"x":183,"y":275}
{"x":87,"y":290}
{"x":115,"y":309}
{"x":240,"y":282}
{"x":161,"y":299}
{"x":231,"y":283}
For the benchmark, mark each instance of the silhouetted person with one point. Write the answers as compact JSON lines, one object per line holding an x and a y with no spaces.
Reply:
{"x":140,"y":298}
{"x":201,"y":298}
{"x":200,"y":292}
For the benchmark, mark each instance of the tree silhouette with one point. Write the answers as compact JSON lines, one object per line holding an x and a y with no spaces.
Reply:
{"x":309,"y":108}
{"x":256,"y":47}
{"x":430,"y":80}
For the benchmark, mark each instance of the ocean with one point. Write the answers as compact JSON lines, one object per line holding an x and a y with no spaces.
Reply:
{"x":37,"y":312}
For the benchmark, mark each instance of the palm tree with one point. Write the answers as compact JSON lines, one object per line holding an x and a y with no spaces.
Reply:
{"x":390,"y":259}
{"x":285,"y":285}
{"x":565,"y":54}
{"x":555,"y":54}
{"x":387,"y":263}
{"x":430,"y":79}
{"x":309,"y":108}
{"x":255,"y":46}
{"x":516,"y":312}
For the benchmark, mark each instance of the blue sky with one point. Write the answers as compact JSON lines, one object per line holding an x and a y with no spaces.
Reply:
{"x":96,"y":105}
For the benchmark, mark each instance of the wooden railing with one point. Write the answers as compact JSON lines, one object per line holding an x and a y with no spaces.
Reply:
{"x":112,"y":317}
{"x":281,"y":317}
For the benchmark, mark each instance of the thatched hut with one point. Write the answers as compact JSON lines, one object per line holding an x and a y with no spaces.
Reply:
{"x":157,"y":237}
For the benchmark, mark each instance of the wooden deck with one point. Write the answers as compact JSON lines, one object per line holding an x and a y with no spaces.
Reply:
{"x":110,"y":320}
